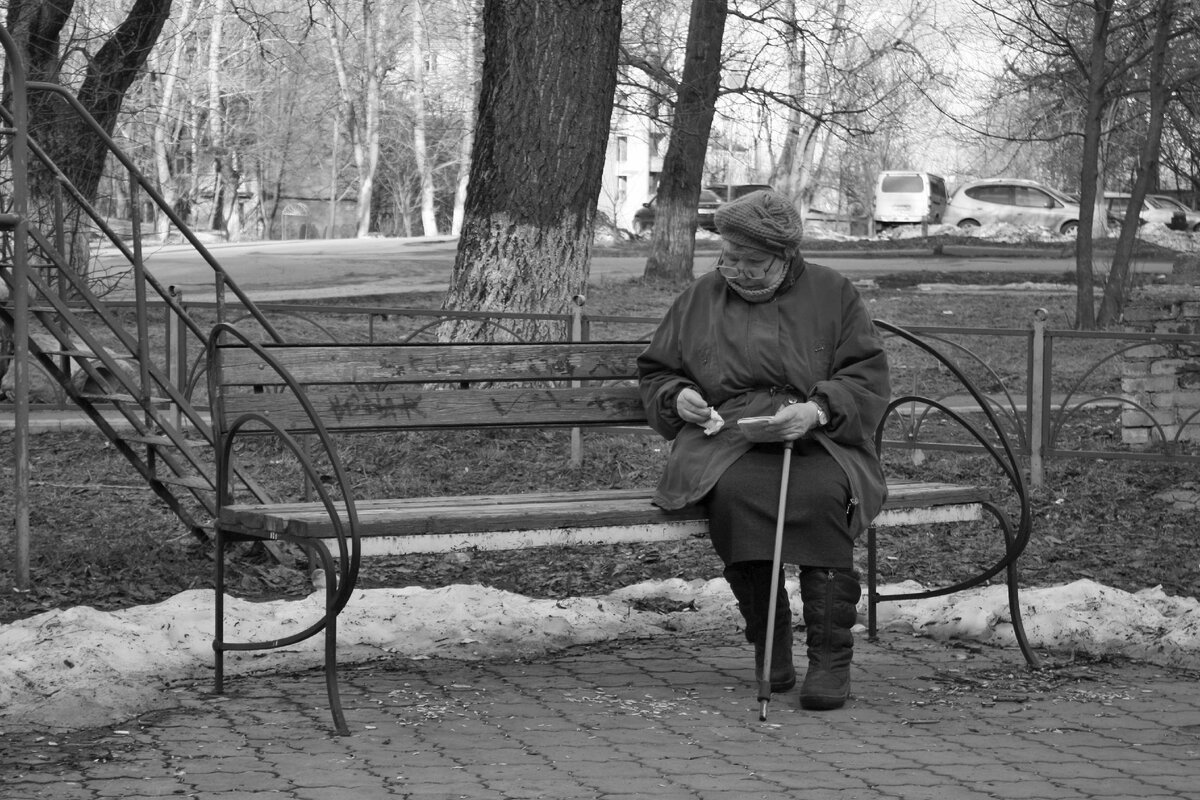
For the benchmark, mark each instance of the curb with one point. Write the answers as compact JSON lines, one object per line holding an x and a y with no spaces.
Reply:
{"x":913,"y":252}
{"x":970,"y":251}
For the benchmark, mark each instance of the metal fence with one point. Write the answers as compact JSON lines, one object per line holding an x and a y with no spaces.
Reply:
{"x":1058,"y":392}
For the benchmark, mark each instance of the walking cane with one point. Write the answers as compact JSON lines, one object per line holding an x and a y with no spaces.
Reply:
{"x":764,"y":680}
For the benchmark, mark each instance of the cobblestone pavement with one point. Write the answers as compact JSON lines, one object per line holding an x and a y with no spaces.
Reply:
{"x":665,"y":719}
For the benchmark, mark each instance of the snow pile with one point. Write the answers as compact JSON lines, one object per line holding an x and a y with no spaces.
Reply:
{"x":1006,"y":233}
{"x":1083,"y":616}
{"x":79,"y":667}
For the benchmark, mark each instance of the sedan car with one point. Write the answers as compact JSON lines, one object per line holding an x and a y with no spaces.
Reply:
{"x":1014,"y":201}
{"x":725,"y":191}
{"x":1191,"y":216}
{"x":1155,"y":208}
{"x":643,"y":218}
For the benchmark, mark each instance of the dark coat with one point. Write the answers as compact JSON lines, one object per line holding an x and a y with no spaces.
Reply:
{"x":815,"y":338}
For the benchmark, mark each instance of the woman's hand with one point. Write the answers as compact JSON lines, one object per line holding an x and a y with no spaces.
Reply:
{"x":691,"y":407}
{"x":787,"y":425}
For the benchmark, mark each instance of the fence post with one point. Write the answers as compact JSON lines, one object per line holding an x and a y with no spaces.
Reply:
{"x":577,"y":335}
{"x":1038,"y":401}
{"x":180,"y":347}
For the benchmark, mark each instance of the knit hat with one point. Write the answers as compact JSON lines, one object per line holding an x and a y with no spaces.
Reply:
{"x":764,"y":219}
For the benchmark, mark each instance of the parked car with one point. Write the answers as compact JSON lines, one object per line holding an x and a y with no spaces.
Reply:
{"x":1013,"y":200}
{"x":905,"y":197}
{"x":1155,"y":208}
{"x":1191,"y":217}
{"x":1116,"y":204}
{"x":643,"y":218}
{"x":738,"y":190}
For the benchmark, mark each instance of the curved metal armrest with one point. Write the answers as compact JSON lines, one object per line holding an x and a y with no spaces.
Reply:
{"x":347,"y":529}
{"x":993,"y":440}
{"x":997,"y":445}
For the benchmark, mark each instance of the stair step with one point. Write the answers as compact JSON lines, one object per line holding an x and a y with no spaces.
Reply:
{"x":88,"y":354}
{"x":159,"y":440}
{"x":158,"y":402}
{"x":185,"y":481}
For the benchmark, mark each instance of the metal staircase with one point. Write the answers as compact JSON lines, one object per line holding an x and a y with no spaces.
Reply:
{"x":59,"y":320}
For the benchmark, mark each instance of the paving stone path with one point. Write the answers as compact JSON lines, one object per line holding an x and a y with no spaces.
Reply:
{"x":671,"y":718}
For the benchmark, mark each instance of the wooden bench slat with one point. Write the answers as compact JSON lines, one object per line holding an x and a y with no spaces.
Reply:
{"x":322,"y":364}
{"x":348,"y":408}
{"x":420,"y":516}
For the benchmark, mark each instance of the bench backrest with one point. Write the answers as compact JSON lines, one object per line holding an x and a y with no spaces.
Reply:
{"x":364,"y":387}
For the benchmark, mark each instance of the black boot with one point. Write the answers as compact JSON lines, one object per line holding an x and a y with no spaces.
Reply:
{"x":751,"y":585}
{"x":830,"y":598}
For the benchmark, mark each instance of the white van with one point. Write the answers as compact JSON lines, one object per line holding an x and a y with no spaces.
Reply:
{"x":905,"y":197}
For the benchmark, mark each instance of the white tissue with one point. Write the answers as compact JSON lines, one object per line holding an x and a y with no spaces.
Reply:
{"x":714,"y":424}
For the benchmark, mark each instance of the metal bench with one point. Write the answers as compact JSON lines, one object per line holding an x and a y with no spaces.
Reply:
{"x":306,"y":394}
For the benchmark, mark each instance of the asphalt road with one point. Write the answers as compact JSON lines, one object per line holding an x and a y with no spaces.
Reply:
{"x":345,"y":267}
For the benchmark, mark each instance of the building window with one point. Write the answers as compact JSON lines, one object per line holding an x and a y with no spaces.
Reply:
{"x":622,"y":148}
{"x":622,"y":189}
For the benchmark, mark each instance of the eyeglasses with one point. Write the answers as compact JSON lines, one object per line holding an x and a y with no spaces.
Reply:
{"x":754,"y":270}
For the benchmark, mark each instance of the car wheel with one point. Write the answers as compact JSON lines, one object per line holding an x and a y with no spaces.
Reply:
{"x":1069,"y":228}
{"x":967,"y":224}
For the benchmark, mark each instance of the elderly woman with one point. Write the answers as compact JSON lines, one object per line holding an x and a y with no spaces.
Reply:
{"x":767,"y":334}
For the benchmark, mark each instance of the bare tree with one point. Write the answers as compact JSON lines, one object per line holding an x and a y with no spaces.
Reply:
{"x":804,"y":79}
{"x":227,"y":157}
{"x":165,"y":65}
{"x":359,"y":82}
{"x":1160,"y":27}
{"x":545,"y":103}
{"x":672,"y":247}
{"x":420,"y":151}
{"x":1097,"y":56}
{"x":101,"y":70}
{"x":846,"y":75}
{"x":469,"y":24}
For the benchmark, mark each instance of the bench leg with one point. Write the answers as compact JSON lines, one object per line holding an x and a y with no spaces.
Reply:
{"x":1014,"y":611}
{"x":219,"y":622}
{"x":1010,"y":567}
{"x":1014,"y":598}
{"x":331,"y":684}
{"x":220,"y":646}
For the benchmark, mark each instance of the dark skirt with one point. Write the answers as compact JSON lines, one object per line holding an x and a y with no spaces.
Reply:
{"x":743,"y":505}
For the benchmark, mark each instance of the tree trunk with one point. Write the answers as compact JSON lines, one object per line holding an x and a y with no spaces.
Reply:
{"x":466,"y":143}
{"x":37,"y":26}
{"x":420,"y":150}
{"x":549,"y":77}
{"x":360,"y":110}
{"x":165,"y":122}
{"x":227,"y":174}
{"x":1119,"y":283}
{"x":673,"y":245}
{"x":1085,"y":311}
{"x":369,"y":163}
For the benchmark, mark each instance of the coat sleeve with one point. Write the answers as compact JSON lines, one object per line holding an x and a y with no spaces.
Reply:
{"x":661,"y":376}
{"x":858,"y":391}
